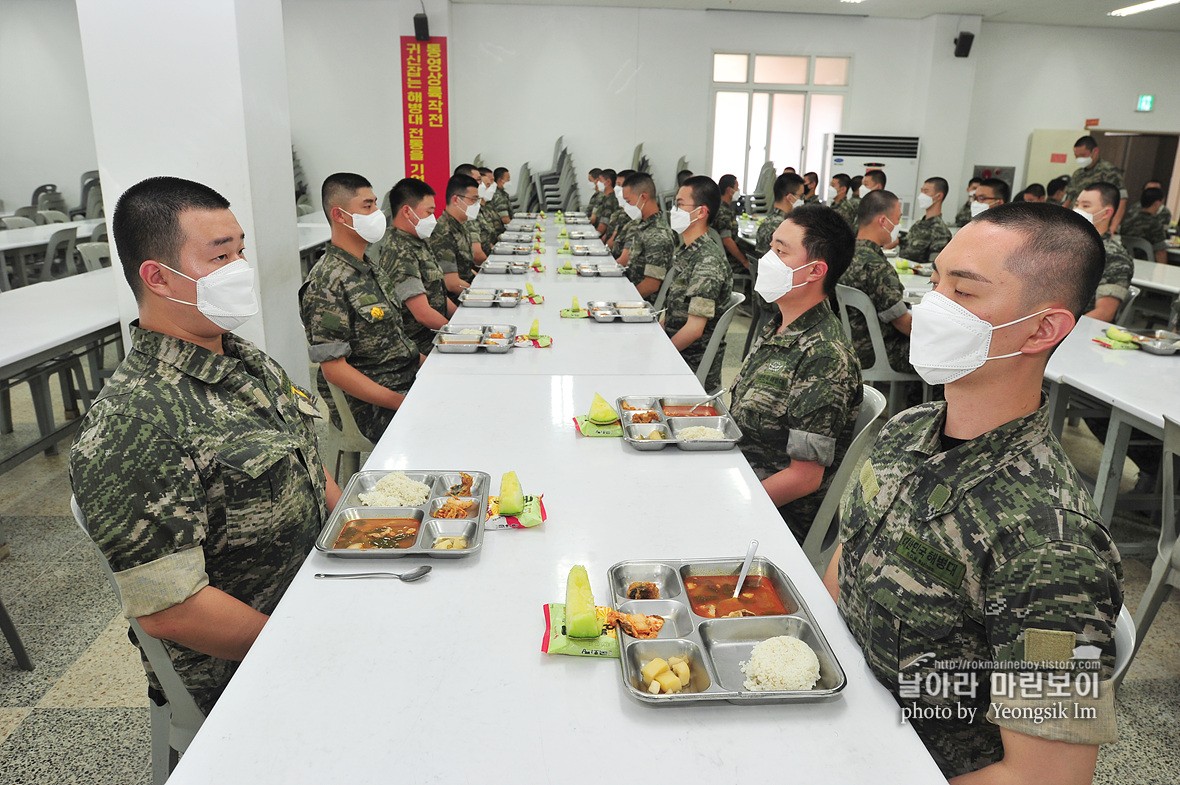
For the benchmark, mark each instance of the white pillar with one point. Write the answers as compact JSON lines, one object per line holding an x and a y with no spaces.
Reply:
{"x":199,"y":90}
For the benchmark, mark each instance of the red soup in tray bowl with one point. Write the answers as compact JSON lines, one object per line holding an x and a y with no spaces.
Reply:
{"x":712,"y":596}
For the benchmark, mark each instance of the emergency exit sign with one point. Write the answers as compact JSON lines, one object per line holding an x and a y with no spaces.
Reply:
{"x":1145,"y":102}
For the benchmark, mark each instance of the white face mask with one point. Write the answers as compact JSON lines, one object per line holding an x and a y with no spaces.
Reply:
{"x":370,"y":226}
{"x":1089,"y":218}
{"x":225,"y":296}
{"x":925,"y":201}
{"x":619,"y":192}
{"x":947,"y":341}
{"x":775,"y":278}
{"x":472,"y":211}
{"x":1084,"y":162}
{"x":863,"y":191}
{"x":600,"y":186}
{"x":895,"y":232}
{"x":679,"y":219}
{"x":977,"y":208}
{"x":482,"y":190}
{"x":632,"y":210}
{"x":424,"y":227}
{"x":489,"y":192}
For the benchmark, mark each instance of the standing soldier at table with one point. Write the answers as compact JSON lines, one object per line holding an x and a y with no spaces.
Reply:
{"x":1096,"y":203}
{"x":1093,"y":169}
{"x":407,"y":259}
{"x":929,"y":234}
{"x":701,"y":278}
{"x":799,"y":391}
{"x":450,"y":242}
{"x":974,"y":570}
{"x":197,"y":468}
{"x":351,"y":314}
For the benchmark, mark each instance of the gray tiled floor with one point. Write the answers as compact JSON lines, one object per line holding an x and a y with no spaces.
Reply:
{"x":64,"y":607}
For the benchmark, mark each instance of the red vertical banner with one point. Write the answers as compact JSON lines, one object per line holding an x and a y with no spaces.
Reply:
{"x":425,"y":125}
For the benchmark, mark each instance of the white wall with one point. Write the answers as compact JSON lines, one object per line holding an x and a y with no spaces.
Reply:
{"x":1037,"y":77}
{"x":45,"y":131}
{"x":609,"y":78}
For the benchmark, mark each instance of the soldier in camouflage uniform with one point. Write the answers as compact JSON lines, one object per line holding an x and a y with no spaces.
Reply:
{"x":928,"y":235}
{"x":488,"y":214}
{"x":798,"y":393}
{"x":702,"y":281}
{"x":963,"y":217}
{"x":197,"y":467}
{"x":501,"y":202}
{"x":1092,"y":170}
{"x":451,"y":240}
{"x":811,"y":181}
{"x":970,"y":540}
{"x":608,"y":211}
{"x":353,"y":318}
{"x":842,"y":202}
{"x":405,"y":257}
{"x":875,"y":276}
{"x":1099,"y":202}
{"x":1163,"y":215}
{"x":1143,"y":222}
{"x":726,"y":224}
{"x":788,"y":192}
{"x":652,"y":245}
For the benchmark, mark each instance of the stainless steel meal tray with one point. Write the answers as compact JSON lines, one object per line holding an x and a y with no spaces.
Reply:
{"x":505,"y":298}
{"x":1159,"y":341}
{"x":350,"y":508}
{"x":714,"y":648}
{"x":609,"y":311}
{"x":672,"y":425}
{"x":451,"y":340}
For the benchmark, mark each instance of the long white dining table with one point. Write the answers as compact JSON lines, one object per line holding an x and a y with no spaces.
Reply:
{"x":443,"y":680}
{"x":17,"y":243}
{"x":50,"y":319}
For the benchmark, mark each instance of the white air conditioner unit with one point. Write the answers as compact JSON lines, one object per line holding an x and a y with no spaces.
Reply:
{"x":854,"y":154}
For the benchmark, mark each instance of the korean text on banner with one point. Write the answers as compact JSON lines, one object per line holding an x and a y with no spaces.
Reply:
{"x":424,"y":111}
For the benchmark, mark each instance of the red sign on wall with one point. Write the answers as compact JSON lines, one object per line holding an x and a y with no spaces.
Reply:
{"x":1057,"y":158}
{"x":425,"y":124}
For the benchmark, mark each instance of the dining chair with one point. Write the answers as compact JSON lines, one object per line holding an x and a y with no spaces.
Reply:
{"x":54,"y":216}
{"x":823,"y":535}
{"x":12,"y":635}
{"x":58,"y":261}
{"x":759,"y":316}
{"x":94,"y":254}
{"x":718,"y":336}
{"x":1125,"y":644}
{"x":344,"y":445}
{"x":847,"y":298}
{"x":662,"y":294}
{"x":176,"y":720}
{"x":1139,"y":248}
{"x":17,"y":222}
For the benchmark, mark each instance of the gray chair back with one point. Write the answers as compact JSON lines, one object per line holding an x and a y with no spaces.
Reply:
{"x":17,"y":222}
{"x":1139,"y":248}
{"x":718,"y":336}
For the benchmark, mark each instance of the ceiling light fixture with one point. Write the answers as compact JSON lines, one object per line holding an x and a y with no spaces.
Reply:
{"x":1141,"y":7}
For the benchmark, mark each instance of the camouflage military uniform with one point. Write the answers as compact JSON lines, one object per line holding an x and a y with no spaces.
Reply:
{"x":198,"y":469}
{"x":847,"y":208}
{"x":653,"y":247}
{"x":450,"y":242}
{"x":813,"y":199}
{"x":1164,"y":216}
{"x":1099,"y":172}
{"x":490,"y":226}
{"x":1174,"y":319}
{"x":1145,"y":226}
{"x":762,"y":238}
{"x":609,"y":212}
{"x":874,"y":275}
{"x":1116,"y":275}
{"x":501,"y":204}
{"x":593,"y":205}
{"x":963,"y":217}
{"x":623,"y":238}
{"x":989,"y":551}
{"x":701,"y":285}
{"x":349,"y":309}
{"x":796,"y":399}
{"x":407,"y":260}
{"x":726,"y":224}
{"x":927,"y":236}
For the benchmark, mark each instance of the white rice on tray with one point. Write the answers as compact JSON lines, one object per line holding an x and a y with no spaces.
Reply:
{"x":701,"y":432}
{"x":396,"y":490}
{"x":782,"y":663}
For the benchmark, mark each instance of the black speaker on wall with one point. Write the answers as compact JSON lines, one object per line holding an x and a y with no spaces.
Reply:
{"x":963,"y":44}
{"x":422,"y":29}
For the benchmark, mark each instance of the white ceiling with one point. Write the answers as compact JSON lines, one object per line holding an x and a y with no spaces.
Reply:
{"x":1082,"y":13}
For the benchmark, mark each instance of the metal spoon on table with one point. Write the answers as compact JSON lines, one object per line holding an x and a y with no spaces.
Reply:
{"x":712,"y":397}
{"x":745,"y":568}
{"x":411,"y":575}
